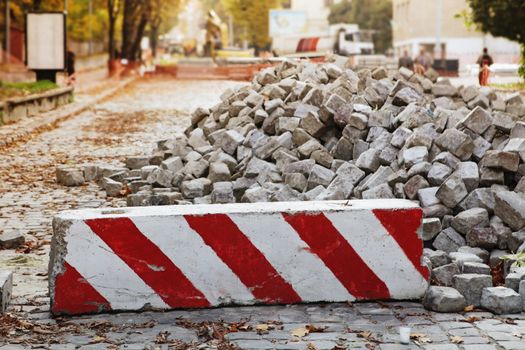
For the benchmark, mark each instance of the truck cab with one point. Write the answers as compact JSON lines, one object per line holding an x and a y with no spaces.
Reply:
{"x":349,"y":40}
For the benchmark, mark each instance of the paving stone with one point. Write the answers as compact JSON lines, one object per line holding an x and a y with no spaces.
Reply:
{"x":449,"y":240}
{"x":444,"y":275}
{"x":443,"y":299}
{"x":501,"y":300}
{"x":465,"y":221}
{"x":471,"y":286}
{"x":9,"y":239}
{"x":510,"y":207}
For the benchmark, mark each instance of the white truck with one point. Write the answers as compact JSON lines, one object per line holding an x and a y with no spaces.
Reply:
{"x":342,"y":39}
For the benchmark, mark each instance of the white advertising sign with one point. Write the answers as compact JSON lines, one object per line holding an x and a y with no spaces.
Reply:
{"x":287,"y":22}
{"x":46,"y":42}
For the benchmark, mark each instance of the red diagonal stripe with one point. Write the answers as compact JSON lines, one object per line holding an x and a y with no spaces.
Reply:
{"x":402,"y":225}
{"x":148,"y":262}
{"x":74,"y":295}
{"x":244,"y":259}
{"x":338,"y":255}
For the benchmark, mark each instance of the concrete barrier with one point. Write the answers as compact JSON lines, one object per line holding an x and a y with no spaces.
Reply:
{"x":235,"y":254}
{"x":28,"y":106}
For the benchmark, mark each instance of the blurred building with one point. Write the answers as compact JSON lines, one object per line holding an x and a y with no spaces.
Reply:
{"x":317,"y":12}
{"x":423,"y":23}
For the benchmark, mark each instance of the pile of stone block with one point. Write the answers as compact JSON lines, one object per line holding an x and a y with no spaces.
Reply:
{"x":303,"y":131}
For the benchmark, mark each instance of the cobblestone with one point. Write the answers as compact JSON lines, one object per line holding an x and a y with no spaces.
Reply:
{"x":126,"y":125}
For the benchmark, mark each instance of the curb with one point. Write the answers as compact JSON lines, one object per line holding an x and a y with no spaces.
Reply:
{"x":161,"y":258}
{"x":29,"y":127}
{"x":19,"y":108}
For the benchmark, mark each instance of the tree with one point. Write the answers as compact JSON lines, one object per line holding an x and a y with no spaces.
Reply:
{"x":113,"y":8}
{"x":373,"y":15}
{"x":83,"y":25}
{"x":163,"y":16}
{"x":503,"y":18}
{"x":251,"y":18}
{"x":136,"y":15}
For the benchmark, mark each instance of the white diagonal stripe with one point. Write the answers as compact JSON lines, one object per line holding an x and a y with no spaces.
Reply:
{"x":380,"y":251}
{"x":106,"y":272}
{"x":197,"y":261}
{"x":291,"y":257}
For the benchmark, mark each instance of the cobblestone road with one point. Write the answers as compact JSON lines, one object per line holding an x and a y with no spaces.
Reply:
{"x":129,"y":124}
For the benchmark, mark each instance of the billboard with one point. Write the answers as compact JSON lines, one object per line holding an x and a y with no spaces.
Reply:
{"x":46,"y":41}
{"x":287,"y":22}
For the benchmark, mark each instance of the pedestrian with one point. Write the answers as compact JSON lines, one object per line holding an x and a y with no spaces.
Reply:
{"x":422,"y":62}
{"x":70,"y":68}
{"x":406,"y":61}
{"x":484,"y":62}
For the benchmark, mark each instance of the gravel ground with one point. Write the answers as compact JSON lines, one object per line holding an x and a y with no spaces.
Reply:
{"x":129,"y":124}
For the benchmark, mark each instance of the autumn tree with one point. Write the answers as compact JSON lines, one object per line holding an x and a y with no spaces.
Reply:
{"x":87,"y":20}
{"x":163,"y":16}
{"x":139,"y":16}
{"x":503,"y":18}
{"x":113,"y":9}
{"x":375,"y":15}
{"x":251,"y":19}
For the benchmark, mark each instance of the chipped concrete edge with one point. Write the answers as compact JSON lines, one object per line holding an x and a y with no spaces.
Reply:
{"x":59,"y":115}
{"x":57,"y":253}
{"x":6,"y":289}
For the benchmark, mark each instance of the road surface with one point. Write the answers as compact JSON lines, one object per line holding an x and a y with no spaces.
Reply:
{"x":129,"y":124}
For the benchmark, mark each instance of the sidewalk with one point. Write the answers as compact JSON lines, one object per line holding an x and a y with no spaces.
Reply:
{"x":94,"y":92}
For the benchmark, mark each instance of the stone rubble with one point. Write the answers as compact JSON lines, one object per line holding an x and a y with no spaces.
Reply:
{"x":303,"y":131}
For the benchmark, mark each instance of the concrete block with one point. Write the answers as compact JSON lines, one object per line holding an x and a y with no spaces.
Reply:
{"x":231,"y":254}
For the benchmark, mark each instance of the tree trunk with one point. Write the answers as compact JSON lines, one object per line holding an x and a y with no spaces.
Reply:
{"x":136,"y":17}
{"x":154,"y":39}
{"x":37,"y":4}
{"x":138,"y":37}
{"x":127,"y":29}
{"x":111,"y":29}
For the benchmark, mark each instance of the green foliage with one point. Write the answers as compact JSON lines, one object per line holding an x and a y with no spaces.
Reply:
{"x":503,"y":18}
{"x":8,"y":90}
{"x":251,"y":19}
{"x":373,"y":15}
{"x":518,"y":259}
{"x":83,"y":26}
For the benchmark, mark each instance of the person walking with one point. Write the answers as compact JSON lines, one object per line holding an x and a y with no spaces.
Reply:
{"x":406,"y":61}
{"x":422,"y":62}
{"x":484,"y":61}
{"x":70,"y":68}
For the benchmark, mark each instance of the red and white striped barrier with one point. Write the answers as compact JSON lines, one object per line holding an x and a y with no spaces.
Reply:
{"x":210,"y":255}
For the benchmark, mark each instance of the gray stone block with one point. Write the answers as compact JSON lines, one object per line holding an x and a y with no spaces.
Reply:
{"x":443,"y":299}
{"x":471,"y":286}
{"x":501,"y":300}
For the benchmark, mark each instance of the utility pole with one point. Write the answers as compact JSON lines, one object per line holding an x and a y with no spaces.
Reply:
{"x":7,"y":31}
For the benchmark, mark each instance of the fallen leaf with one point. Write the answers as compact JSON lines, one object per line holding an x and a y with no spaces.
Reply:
{"x":262,"y":328}
{"x":162,"y":337}
{"x":469,"y":308}
{"x":300,"y":332}
{"x":314,"y":329}
{"x":98,"y":339}
{"x":364,"y":334}
{"x":472,"y":319}
{"x":420,"y":338}
{"x":456,"y":339}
